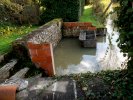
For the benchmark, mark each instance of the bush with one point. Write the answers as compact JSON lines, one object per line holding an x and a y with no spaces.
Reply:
{"x":124,"y":22}
{"x":19,"y":11}
{"x":68,"y":10}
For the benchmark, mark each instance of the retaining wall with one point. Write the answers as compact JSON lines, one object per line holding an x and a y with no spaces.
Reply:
{"x":48,"y":33}
{"x":40,"y":44}
{"x":73,"y":29}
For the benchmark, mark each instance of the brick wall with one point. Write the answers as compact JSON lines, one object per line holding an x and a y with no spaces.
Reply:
{"x":72,"y":29}
{"x":42,"y":56}
{"x":39,"y":45}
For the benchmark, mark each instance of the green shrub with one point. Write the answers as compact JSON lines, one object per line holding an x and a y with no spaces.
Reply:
{"x":68,"y":10}
{"x":124,"y":22}
{"x":19,"y":11}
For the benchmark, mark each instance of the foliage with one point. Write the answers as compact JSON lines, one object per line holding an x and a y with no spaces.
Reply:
{"x":124,"y":22}
{"x":97,"y":6}
{"x":19,"y":11}
{"x":87,"y":2}
{"x":89,"y":17}
{"x":9,"y":33}
{"x":105,"y":85}
{"x":68,"y":10}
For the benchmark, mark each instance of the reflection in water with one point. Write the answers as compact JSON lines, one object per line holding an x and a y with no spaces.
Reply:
{"x":70,"y":57}
{"x":112,"y":58}
{"x":70,"y":52}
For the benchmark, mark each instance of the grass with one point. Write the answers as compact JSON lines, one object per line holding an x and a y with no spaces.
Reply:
{"x":89,"y":17}
{"x":9,"y":33}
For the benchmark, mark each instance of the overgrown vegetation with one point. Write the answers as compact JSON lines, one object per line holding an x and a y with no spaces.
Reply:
{"x":9,"y":33}
{"x":19,"y":11}
{"x":20,"y":53}
{"x":124,"y":22}
{"x":105,"y":85}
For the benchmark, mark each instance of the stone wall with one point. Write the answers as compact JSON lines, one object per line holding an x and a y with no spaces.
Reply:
{"x":44,"y":39}
{"x":48,"y":33}
{"x":72,"y":29}
{"x":42,"y":56}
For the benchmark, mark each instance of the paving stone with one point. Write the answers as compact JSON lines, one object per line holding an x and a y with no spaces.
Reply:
{"x":63,"y":89}
{"x":4,"y":71}
{"x":20,"y":74}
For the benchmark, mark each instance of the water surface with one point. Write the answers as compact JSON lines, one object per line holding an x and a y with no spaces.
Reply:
{"x":71,"y":58}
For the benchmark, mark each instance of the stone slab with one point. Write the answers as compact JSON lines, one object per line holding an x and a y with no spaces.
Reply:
{"x":60,"y":90}
{"x":20,"y":74}
{"x":4,"y":71}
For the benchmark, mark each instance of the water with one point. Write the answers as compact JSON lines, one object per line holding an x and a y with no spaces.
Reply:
{"x":71,"y":58}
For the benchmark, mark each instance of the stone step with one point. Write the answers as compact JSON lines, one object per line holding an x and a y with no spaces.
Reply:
{"x":35,"y":86}
{"x":20,"y":74}
{"x":4,"y":71}
{"x":50,"y":89}
{"x":64,"y":89}
{"x":82,"y":36}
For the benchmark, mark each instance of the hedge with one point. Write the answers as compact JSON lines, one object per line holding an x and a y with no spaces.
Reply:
{"x":68,"y":10}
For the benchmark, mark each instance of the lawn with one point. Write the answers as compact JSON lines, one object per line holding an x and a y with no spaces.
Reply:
{"x":89,"y":17}
{"x":9,"y":33}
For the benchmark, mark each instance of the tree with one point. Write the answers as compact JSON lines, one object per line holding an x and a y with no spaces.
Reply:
{"x":19,"y":11}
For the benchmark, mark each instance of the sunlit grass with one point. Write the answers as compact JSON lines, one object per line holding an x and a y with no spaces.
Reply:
{"x":89,"y":17}
{"x":10,"y":33}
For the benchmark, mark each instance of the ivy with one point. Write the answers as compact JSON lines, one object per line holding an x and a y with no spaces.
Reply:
{"x":124,"y":22}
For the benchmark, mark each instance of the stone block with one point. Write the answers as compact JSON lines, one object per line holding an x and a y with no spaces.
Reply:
{"x":72,"y":29}
{"x":101,"y":31}
{"x":89,"y":43}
